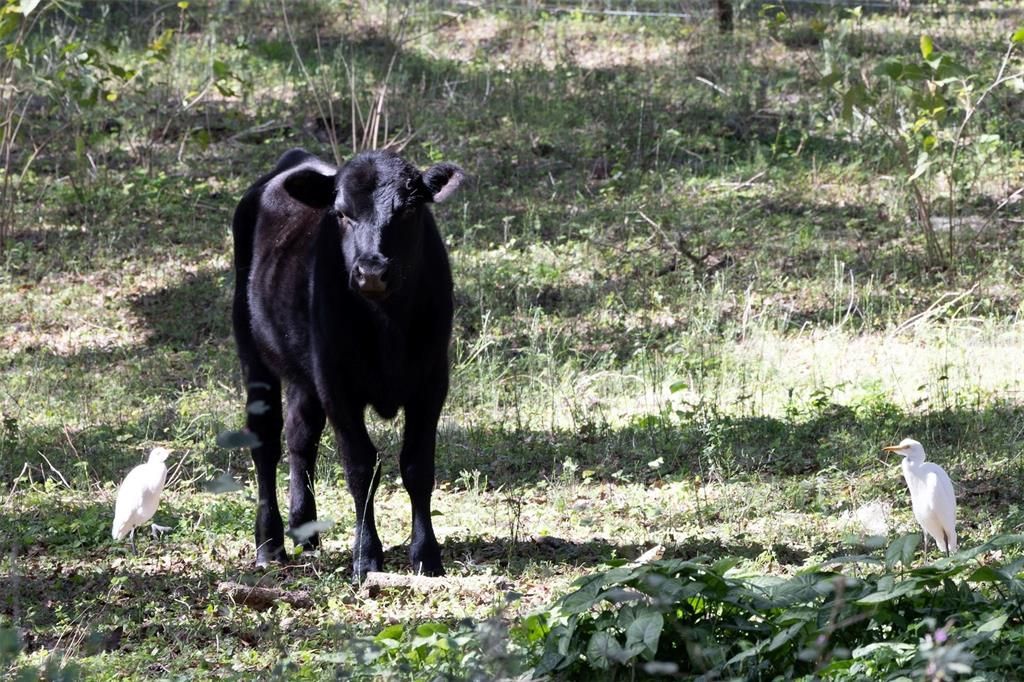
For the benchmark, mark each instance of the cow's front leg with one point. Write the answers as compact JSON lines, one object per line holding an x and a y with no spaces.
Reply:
{"x":362,"y":475}
{"x":417,"y":463}
{"x":302,"y":433}
{"x":264,"y":421}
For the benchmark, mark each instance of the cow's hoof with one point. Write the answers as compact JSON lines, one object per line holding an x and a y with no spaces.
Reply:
{"x":361,"y":568}
{"x":267,"y":556}
{"x":425,"y":559}
{"x":430,"y":568}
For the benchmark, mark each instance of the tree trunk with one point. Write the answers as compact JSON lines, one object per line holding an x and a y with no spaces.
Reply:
{"x":724,"y":11}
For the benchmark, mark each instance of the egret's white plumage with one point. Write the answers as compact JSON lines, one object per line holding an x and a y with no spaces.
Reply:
{"x":931,"y":494}
{"x":139,"y":495}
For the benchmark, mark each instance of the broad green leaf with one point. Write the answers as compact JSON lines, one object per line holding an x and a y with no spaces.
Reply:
{"x":1018,"y":35}
{"x":8,"y":23}
{"x":1003,"y":540}
{"x":580,"y":600}
{"x":392,"y":632}
{"x":892,"y":68}
{"x":646,"y":630}
{"x":988,"y":574}
{"x":914,"y":72}
{"x":902,"y":549}
{"x":741,"y":656}
{"x":603,"y":650}
{"x":428,"y":629}
{"x":221,"y":69}
{"x":722,"y":566}
{"x":884,"y":595}
{"x":994,"y":624}
{"x":627,"y":614}
{"x":786,"y":636}
{"x":926,"y":46}
{"x":619,"y":595}
{"x":854,"y":98}
{"x":551,"y":660}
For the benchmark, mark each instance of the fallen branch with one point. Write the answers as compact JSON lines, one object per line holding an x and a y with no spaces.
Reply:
{"x":653,"y":554}
{"x":262,"y":598}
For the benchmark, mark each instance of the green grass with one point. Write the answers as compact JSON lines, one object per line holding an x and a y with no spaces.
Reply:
{"x":608,"y":394}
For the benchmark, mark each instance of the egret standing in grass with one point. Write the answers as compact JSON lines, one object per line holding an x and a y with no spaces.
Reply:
{"x":139,"y":495}
{"x":931,"y":494}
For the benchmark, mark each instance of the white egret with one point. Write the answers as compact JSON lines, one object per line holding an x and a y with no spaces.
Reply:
{"x":931,"y":494}
{"x":139,"y":495}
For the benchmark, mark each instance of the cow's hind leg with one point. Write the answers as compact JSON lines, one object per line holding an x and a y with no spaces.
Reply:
{"x":417,"y":463}
{"x":263,"y":419}
{"x":362,"y":476}
{"x":303,"y":428}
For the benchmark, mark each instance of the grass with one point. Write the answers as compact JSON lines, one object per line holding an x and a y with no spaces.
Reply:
{"x":608,"y":392}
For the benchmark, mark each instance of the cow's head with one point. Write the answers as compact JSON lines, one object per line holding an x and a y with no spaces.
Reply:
{"x":377,"y":202}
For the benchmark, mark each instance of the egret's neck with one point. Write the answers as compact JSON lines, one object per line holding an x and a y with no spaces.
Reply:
{"x":910,"y":463}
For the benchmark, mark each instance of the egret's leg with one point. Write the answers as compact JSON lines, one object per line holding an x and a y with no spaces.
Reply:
{"x":131,"y":539}
{"x":945,"y":536}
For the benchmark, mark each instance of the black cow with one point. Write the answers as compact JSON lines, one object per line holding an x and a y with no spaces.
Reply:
{"x":343,"y":290}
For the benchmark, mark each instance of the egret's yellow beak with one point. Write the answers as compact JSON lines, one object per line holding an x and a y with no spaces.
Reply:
{"x":898,"y":449}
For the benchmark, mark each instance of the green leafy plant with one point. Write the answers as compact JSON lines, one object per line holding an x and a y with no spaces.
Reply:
{"x":848,"y":618}
{"x":16,"y":21}
{"x":925,"y":109}
{"x":709,"y":618}
{"x":698,"y":617}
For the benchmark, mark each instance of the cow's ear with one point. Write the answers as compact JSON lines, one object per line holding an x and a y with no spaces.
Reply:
{"x":442,"y":180}
{"x":311,"y":187}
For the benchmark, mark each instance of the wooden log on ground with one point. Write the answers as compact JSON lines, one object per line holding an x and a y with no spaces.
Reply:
{"x":262,"y":598}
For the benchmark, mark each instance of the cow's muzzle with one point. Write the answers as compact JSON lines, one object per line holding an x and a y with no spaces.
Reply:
{"x":370,"y":277}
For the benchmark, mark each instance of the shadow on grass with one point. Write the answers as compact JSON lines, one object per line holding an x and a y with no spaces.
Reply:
{"x":819,"y":437}
{"x":514,"y":556}
{"x":829,"y":437}
{"x":191,"y":314}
